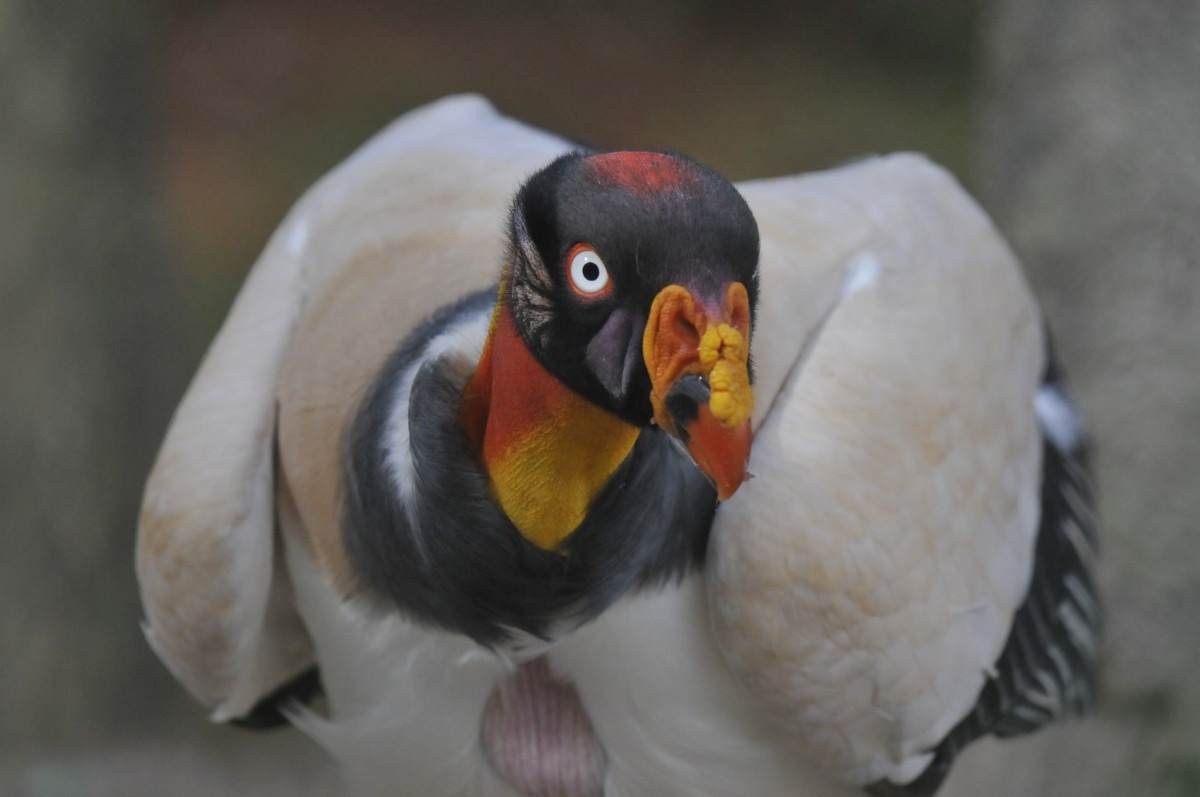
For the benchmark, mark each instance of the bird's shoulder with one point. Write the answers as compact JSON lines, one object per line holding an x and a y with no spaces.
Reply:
{"x":407,"y":223}
{"x":415,"y":226}
{"x":864,"y":583}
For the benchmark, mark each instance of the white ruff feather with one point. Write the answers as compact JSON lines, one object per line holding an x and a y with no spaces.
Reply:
{"x":464,"y":342}
{"x":405,"y":700}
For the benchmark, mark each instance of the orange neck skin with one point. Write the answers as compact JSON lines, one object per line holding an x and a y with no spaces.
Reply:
{"x":548,"y":450}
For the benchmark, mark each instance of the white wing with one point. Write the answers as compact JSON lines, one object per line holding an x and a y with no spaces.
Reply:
{"x":219,"y":608}
{"x":863,"y":584}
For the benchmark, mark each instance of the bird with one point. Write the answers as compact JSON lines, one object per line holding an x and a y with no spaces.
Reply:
{"x":526,"y":468}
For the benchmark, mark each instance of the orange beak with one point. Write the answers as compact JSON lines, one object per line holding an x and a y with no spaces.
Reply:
{"x":710,"y":411}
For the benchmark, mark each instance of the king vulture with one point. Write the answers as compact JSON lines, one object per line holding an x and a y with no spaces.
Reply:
{"x":518,"y":469}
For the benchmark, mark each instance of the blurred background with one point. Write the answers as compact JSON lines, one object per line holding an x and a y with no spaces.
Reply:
{"x":148,"y":150}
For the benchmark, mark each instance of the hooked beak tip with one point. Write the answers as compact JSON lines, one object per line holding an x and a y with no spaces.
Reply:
{"x":720,"y":452}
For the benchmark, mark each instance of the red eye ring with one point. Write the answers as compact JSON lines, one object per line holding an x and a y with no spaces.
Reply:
{"x":586,"y":273}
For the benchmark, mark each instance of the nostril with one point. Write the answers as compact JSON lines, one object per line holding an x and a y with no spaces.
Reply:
{"x":684,"y":401}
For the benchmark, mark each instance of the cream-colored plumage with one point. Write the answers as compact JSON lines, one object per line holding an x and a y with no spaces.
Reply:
{"x":865,"y":582}
{"x":858,"y":589}
{"x":409,"y":222}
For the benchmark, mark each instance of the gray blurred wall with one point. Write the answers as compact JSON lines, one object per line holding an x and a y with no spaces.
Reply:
{"x":90,"y":364}
{"x":1089,"y":160}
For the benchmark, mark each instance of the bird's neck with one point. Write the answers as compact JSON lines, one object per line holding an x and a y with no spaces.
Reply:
{"x":548,"y":451}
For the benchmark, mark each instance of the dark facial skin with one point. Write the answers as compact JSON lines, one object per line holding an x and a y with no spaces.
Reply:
{"x":697,"y":232}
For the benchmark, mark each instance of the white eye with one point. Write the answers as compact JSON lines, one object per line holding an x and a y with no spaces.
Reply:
{"x":588,"y":274}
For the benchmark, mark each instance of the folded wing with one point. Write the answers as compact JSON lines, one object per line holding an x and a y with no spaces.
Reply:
{"x":882,"y":585}
{"x":218,"y":604}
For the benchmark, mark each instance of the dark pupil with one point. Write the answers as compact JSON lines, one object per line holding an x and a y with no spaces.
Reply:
{"x":591,"y":272}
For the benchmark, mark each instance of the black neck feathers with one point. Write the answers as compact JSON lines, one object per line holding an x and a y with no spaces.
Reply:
{"x":450,"y":557}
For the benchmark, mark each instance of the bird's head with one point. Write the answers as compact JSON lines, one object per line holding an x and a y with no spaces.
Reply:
{"x":632,"y":279}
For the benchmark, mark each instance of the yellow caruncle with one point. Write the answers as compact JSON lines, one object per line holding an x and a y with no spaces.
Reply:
{"x":724,"y":353}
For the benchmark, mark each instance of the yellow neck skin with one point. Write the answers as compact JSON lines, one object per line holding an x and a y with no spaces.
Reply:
{"x":548,"y":450}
